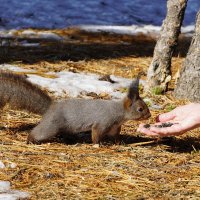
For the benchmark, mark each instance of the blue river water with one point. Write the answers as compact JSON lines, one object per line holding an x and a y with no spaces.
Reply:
{"x":15,"y":14}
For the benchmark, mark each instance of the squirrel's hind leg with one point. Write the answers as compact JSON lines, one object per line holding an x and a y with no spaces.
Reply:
{"x":97,"y":134}
{"x":42,"y":134}
{"x":47,"y":129}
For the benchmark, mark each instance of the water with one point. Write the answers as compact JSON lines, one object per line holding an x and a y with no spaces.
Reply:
{"x":64,"y":13}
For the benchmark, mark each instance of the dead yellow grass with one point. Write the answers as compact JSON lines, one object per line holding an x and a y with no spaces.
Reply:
{"x":139,"y":168}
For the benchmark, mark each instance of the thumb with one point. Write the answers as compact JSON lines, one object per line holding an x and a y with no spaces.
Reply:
{"x":165,"y":117}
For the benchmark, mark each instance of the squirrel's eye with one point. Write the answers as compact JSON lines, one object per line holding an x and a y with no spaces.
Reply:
{"x":140,"y":109}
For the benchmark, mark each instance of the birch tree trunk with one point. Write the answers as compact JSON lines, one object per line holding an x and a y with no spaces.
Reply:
{"x":188,"y":84}
{"x":159,"y":72}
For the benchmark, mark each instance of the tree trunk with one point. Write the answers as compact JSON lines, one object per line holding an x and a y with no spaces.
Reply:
{"x":188,"y":85}
{"x":159,"y":72}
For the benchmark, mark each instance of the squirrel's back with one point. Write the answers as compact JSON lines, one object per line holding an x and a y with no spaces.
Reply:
{"x":21,"y":94}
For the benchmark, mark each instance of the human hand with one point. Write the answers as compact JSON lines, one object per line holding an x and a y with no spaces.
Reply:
{"x":183,"y":118}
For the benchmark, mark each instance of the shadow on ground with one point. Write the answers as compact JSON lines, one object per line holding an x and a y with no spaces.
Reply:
{"x":79,"y":45}
{"x":181,"y":145}
{"x":172,"y":144}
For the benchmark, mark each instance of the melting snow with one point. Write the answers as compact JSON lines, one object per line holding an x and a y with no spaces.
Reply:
{"x":132,"y":30}
{"x":7,"y":194}
{"x":74,"y":84}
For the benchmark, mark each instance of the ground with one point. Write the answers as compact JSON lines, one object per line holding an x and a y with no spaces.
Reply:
{"x":139,"y":168}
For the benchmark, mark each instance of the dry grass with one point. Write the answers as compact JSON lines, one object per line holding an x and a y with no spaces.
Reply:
{"x":139,"y":168}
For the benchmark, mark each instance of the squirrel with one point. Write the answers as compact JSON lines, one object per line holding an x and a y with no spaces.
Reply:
{"x":21,"y":94}
{"x":101,"y":117}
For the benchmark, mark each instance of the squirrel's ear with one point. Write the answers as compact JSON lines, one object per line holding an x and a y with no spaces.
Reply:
{"x":133,"y":91}
{"x":127,"y":103}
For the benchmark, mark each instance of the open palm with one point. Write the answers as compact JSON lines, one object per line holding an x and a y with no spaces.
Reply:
{"x":184,"y":118}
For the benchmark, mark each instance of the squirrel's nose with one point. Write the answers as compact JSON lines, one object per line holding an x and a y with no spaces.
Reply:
{"x":147,"y":115}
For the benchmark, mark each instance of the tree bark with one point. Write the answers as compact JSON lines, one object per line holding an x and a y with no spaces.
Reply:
{"x":159,"y":72}
{"x":188,"y":84}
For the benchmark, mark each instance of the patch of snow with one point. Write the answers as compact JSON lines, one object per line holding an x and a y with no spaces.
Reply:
{"x":14,"y":68}
{"x":49,"y":35}
{"x":75,"y":84}
{"x":131,"y":30}
{"x":151,"y":104}
{"x":28,"y":33}
{"x":8,"y":34}
{"x":188,"y":30}
{"x":12,"y":165}
{"x":28,"y":44}
{"x":4,"y":186}
{"x":14,"y":195}
{"x":24,"y":43}
{"x":41,"y":34}
{"x":127,"y":30}
{"x":155,"y":107}
{"x":7,"y":194}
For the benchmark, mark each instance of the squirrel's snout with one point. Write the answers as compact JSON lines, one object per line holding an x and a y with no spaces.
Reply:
{"x":147,"y":115}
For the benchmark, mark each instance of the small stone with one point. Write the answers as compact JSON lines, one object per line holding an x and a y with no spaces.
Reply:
{"x":2,"y":166}
{"x":13,"y":165}
{"x":96,"y":145}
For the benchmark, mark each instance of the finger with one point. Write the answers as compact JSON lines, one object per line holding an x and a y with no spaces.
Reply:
{"x":141,"y":125}
{"x":165,"y":117}
{"x":146,"y":131}
{"x":176,"y":129}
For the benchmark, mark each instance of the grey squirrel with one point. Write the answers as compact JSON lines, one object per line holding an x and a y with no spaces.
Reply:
{"x":101,"y":117}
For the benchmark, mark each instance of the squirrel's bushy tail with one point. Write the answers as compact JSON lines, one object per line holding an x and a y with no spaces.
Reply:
{"x":21,"y":94}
